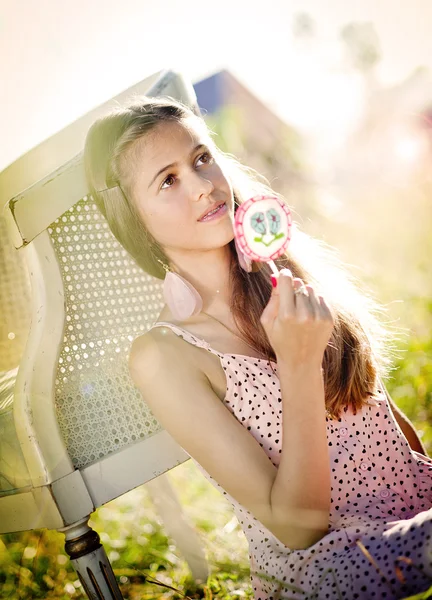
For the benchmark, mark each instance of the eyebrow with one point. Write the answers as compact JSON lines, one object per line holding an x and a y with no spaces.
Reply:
{"x":174,"y":164}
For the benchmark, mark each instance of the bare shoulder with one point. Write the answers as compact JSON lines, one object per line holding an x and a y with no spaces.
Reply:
{"x":159,"y":349}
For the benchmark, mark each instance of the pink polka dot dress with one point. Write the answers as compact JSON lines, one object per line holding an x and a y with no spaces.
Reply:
{"x":381,"y":504}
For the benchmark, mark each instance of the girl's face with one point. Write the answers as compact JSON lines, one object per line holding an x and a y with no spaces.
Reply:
{"x":176,"y":181}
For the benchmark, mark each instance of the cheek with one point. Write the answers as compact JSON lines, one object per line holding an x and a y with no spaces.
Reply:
{"x":169,"y":223}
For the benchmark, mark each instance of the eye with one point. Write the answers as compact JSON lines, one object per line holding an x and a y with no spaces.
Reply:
{"x":165,"y":180}
{"x":209,"y":157}
{"x":209,"y":160}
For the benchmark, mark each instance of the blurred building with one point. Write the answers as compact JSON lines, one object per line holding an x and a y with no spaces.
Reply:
{"x":247,"y":128}
{"x":262,"y":127}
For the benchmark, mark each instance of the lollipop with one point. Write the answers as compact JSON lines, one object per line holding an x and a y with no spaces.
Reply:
{"x":262,"y":227}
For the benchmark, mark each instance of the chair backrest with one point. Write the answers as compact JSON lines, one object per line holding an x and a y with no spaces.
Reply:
{"x":74,"y":401}
{"x":15,"y":294}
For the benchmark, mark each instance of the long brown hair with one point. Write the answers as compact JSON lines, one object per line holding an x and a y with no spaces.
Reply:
{"x":359,"y":348}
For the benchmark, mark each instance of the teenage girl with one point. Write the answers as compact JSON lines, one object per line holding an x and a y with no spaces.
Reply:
{"x":276,"y":393}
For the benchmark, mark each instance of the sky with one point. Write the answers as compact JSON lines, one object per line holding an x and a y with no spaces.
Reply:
{"x":59,"y":60}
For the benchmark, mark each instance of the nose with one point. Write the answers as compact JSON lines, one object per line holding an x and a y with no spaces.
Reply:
{"x":201,"y":186}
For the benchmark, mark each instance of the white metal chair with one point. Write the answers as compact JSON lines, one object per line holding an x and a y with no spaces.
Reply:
{"x":76,"y":433}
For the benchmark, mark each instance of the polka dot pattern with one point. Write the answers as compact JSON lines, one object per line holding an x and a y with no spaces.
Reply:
{"x":381,"y":504}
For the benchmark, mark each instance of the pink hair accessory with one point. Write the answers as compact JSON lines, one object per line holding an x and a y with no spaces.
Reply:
{"x":262,"y":229}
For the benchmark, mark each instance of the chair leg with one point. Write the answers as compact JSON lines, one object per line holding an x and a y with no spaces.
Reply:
{"x":91,"y":563}
{"x":178,"y":528}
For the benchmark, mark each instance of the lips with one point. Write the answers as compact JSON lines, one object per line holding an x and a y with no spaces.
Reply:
{"x":214,"y":207}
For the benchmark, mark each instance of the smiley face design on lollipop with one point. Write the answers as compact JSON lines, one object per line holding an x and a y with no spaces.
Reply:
{"x":262,"y":226}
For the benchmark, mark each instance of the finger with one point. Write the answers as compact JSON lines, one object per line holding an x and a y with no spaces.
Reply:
{"x":298,"y":284}
{"x":324,"y":307}
{"x":314,"y":302}
{"x":271,"y":309}
{"x":286,"y":291}
{"x":304,"y":308}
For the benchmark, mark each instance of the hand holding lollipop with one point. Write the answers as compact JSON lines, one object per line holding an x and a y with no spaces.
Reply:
{"x":263,"y":231}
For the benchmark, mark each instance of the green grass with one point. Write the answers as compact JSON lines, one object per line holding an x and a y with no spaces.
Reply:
{"x":35,"y":565}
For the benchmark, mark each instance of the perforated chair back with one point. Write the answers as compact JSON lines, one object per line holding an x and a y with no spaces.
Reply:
{"x":15,"y":318}
{"x":78,"y":417}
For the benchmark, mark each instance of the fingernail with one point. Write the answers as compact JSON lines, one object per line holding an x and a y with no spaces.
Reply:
{"x":286,"y":271}
{"x":274,"y":280}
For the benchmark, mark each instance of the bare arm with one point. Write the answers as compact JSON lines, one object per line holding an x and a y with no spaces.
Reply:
{"x":187,"y":407}
{"x":302,"y":488}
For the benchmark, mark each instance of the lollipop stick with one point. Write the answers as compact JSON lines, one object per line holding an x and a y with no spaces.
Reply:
{"x":273,"y":267}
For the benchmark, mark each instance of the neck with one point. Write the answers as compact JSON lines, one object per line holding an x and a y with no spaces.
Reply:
{"x":208,"y":272}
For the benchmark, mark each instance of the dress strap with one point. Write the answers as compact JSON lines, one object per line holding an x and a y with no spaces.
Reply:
{"x":187,"y":336}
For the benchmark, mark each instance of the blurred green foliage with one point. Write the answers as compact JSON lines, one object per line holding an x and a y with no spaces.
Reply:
{"x":411,"y":386}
